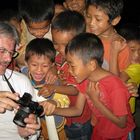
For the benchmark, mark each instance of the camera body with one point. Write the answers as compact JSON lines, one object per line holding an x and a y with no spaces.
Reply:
{"x":27,"y":106}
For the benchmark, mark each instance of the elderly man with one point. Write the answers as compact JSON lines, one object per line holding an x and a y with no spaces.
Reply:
{"x":11,"y":81}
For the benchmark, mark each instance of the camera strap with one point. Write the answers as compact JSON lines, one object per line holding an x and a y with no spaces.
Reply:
{"x":9,"y":84}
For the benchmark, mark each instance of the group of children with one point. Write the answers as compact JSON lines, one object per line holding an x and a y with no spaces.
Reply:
{"x":81,"y":65}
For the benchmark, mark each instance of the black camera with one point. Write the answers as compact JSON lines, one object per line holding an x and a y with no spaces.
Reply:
{"x":27,"y":106}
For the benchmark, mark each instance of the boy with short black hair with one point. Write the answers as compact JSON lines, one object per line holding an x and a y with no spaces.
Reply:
{"x":37,"y":16}
{"x":131,"y":33}
{"x":65,"y":26}
{"x":40,"y":57}
{"x":101,"y":17}
{"x":106,"y":94}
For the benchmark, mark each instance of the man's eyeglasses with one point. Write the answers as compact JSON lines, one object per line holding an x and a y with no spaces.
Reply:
{"x":13,"y":54}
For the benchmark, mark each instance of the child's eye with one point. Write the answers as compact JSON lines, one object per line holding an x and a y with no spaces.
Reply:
{"x":88,"y":16}
{"x":132,"y":49}
{"x":33,"y":65}
{"x":98,"y":19}
{"x":45,"y":66}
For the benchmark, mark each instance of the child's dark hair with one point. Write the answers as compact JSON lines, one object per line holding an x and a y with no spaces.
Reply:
{"x":130,"y":31}
{"x":40,"y":46}
{"x":86,"y":46}
{"x":113,"y":8}
{"x":69,"y":21}
{"x":36,"y":10}
{"x":10,"y":14}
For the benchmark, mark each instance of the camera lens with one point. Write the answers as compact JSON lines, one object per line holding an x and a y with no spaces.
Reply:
{"x":22,"y":113}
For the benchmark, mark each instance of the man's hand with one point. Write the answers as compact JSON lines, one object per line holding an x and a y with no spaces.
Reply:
{"x":7,"y":101}
{"x":32,"y":126}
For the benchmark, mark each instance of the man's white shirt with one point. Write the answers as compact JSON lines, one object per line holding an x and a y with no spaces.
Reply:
{"x":21,"y":84}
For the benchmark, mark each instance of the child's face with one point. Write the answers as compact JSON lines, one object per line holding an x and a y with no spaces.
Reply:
{"x":76,"y":5}
{"x":97,"y":20}
{"x":39,"y":29}
{"x":134,"y":51}
{"x":38,"y":66}
{"x":77,"y":68}
{"x":60,"y":40}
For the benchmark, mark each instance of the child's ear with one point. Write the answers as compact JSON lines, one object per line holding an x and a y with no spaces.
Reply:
{"x":116,"y":20}
{"x":65,"y":5}
{"x":92,"y":65}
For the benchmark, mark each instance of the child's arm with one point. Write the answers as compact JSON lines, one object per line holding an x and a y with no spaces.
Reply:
{"x":48,"y":106}
{"x":118,"y":44}
{"x":49,"y":89}
{"x":93,"y":92}
{"x":119,"y":121}
{"x":124,"y":76}
{"x":74,"y":110}
{"x":132,"y":87}
{"x":51,"y":76}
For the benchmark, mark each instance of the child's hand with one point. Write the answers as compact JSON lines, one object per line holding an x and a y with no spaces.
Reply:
{"x":46,"y":91}
{"x":93,"y":90}
{"x":49,"y":106}
{"x":118,"y":44}
{"x":133,"y":89}
{"x":51,"y":76}
{"x":62,"y":77}
{"x":63,"y":81}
